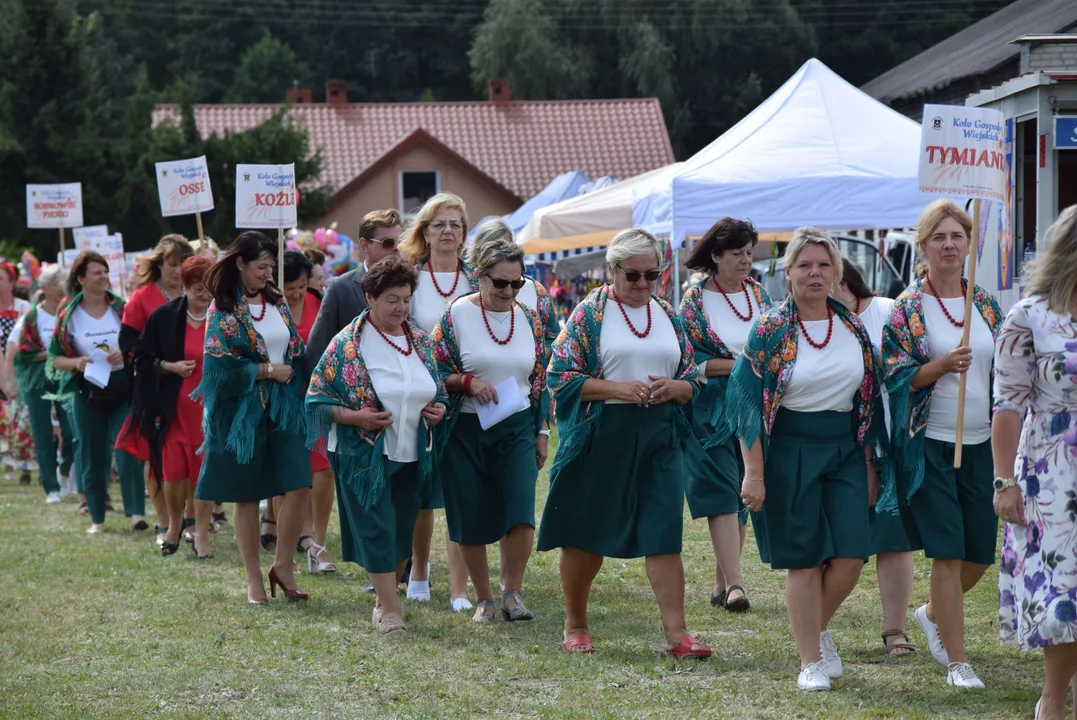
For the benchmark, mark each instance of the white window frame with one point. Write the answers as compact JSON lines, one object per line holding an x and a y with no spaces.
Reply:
{"x":408,"y":212}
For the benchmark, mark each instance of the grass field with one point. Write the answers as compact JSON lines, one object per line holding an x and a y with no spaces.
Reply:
{"x":104,"y":627}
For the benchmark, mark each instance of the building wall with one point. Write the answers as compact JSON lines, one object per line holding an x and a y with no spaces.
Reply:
{"x":383,"y":191}
{"x":1060,"y":56}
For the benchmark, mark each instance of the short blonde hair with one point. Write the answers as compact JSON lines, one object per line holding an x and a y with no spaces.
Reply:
{"x":208,"y":244}
{"x":1053,"y":273}
{"x":413,"y":245}
{"x":171,"y":247}
{"x":808,"y":235}
{"x":934,"y":214}
{"x":629,"y":243}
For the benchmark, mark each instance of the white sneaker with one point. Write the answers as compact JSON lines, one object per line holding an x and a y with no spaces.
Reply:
{"x":813,"y":678}
{"x":461,"y":604}
{"x":419,"y":590}
{"x":830,"y":663}
{"x":962,"y":675}
{"x":52,"y":498}
{"x":934,"y":640}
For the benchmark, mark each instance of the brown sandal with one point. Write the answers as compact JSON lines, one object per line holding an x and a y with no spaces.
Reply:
{"x":890,"y":647}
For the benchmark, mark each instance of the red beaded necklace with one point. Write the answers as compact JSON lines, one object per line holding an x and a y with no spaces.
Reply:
{"x":964,"y":293}
{"x":829,"y":329}
{"x":455,"y":282}
{"x":265,"y":306}
{"x":512,"y":324}
{"x":632,"y":327}
{"x":407,"y":338}
{"x":744,"y":289}
{"x":858,"y":306}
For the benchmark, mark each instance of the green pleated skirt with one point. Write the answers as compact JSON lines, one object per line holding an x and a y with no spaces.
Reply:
{"x":488,"y":477}
{"x":712,"y":478}
{"x":816,"y":504}
{"x":623,"y":496}
{"x":888,"y":534}
{"x":379,"y":538}
{"x":952,"y":516}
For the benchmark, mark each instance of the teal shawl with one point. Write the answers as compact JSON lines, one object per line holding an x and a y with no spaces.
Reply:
{"x":576,"y":359}
{"x":62,"y":344}
{"x":762,"y":374}
{"x":234,"y":349}
{"x":709,"y":346}
{"x":29,"y":371}
{"x":904,"y":352}
{"x":341,"y":379}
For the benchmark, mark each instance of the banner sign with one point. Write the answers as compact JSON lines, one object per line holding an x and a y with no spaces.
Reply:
{"x":98,"y":239}
{"x":266,"y":196}
{"x":1066,"y":132}
{"x":54,"y":206}
{"x":962,"y":152}
{"x":90,"y":237}
{"x":183,"y":186}
{"x":1005,"y":218}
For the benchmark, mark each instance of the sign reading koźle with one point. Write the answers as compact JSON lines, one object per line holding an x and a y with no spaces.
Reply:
{"x":54,"y":206}
{"x":183,"y":186}
{"x":266,"y":196}
{"x":962,"y":152}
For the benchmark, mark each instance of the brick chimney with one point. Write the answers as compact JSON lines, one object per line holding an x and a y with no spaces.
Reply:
{"x":336,"y":92}
{"x":298,"y":96}
{"x":500,"y":92}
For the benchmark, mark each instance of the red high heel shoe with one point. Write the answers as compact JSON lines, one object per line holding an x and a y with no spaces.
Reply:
{"x":292,"y":595}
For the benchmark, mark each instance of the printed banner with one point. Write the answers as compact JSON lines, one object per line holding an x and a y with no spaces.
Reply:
{"x":266,"y":196}
{"x":54,"y":206}
{"x":184,"y":187}
{"x":962,"y":152}
{"x":98,"y":239}
{"x":1005,"y":219}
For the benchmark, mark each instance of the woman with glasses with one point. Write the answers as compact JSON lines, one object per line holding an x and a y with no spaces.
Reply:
{"x":488,"y":341}
{"x":435,"y":245}
{"x":622,"y":372}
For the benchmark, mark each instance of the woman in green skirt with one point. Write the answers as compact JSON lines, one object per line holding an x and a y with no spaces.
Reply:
{"x":622,"y":384}
{"x":89,"y":325}
{"x":373,"y":399}
{"x":253,"y":417}
{"x":717,"y":314}
{"x":489,"y":349}
{"x":946,"y":511}
{"x":805,"y":398}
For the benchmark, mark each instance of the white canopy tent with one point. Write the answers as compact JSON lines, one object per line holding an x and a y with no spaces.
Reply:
{"x":816,"y":152}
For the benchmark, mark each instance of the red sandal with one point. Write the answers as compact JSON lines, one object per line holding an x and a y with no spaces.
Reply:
{"x":579,"y":644}
{"x":689,"y":647}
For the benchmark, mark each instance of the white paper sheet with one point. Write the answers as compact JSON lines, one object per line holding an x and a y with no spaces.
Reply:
{"x":509,"y":402}
{"x":99,"y":369}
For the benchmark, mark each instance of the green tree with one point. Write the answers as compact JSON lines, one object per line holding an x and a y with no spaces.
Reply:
{"x":266,"y":69}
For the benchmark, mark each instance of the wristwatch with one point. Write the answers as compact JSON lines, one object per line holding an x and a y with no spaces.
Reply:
{"x":1002,"y":483}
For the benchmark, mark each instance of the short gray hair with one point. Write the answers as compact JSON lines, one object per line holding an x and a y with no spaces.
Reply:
{"x":487,"y":231}
{"x":808,"y":235}
{"x":51,"y":275}
{"x":493,"y":252}
{"x":629,"y":243}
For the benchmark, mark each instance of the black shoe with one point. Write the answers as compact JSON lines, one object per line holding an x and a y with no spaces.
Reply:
{"x":299,"y":547}
{"x":24,"y":477}
{"x":159,"y":535}
{"x":168,"y":548}
{"x":187,"y":535}
{"x":405,"y":578}
{"x":269,"y":540}
{"x":208,"y":556}
{"x":219,"y":522}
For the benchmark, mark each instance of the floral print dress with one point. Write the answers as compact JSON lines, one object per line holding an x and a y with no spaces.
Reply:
{"x":1036,"y":371}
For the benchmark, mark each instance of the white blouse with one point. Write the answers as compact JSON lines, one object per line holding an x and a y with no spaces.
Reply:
{"x":428,"y":305}
{"x":404,"y":386}
{"x":46,"y":326}
{"x":943,"y":337}
{"x":874,"y":317}
{"x":482,"y":357}
{"x":827,"y":379}
{"x":731,"y":329}
{"x":273,"y":330}
{"x":628,"y":358}
{"x":89,"y":333}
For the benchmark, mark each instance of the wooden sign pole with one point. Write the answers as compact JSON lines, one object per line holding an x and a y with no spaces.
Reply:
{"x":201,"y":235}
{"x":63,"y":260}
{"x":974,"y":245}
{"x":280,"y":258}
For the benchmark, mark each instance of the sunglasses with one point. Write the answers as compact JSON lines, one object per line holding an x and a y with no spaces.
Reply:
{"x":633,"y":277}
{"x":388,"y":243}
{"x":501,"y":283}
{"x":441,"y":225}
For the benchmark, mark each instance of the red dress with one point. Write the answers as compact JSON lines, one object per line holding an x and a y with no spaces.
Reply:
{"x":135,"y":315}
{"x":184,"y":436}
{"x":311,"y":304}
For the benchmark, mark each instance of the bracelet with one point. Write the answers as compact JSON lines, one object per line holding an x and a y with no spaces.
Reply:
{"x":465,"y":384}
{"x":269,"y":370}
{"x":544,"y":432}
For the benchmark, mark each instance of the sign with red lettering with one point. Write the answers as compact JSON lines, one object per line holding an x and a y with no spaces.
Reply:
{"x":962,"y":152}
{"x":54,"y":206}
{"x":110,"y":246}
{"x":184,"y":187}
{"x":266,"y":196}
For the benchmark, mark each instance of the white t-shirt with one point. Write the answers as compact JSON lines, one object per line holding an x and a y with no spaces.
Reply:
{"x":16,"y":331}
{"x":482,"y":357}
{"x":273,"y":330}
{"x":89,"y":333}
{"x":626,"y":357}
{"x":528,"y":294}
{"x":46,"y":326}
{"x":826,"y":379}
{"x":731,"y":329}
{"x":404,"y":386}
{"x":874,"y":317}
{"x":428,"y":305}
{"x":943,"y":337}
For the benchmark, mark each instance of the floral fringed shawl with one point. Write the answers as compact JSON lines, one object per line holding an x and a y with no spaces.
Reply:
{"x":447,"y":353}
{"x":465,"y":269}
{"x":709,"y":346}
{"x":576,"y":359}
{"x":904,"y":352}
{"x":29,"y":371}
{"x":341,"y":379}
{"x":62,"y":344}
{"x":549,"y":320}
{"x":234,"y":349}
{"x":763,"y":372}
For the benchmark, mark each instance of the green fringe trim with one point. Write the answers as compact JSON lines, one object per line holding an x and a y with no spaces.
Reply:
{"x":908,"y":452}
{"x":576,"y":423}
{"x":363,"y":474}
{"x":887,"y":501}
{"x":713,"y":396}
{"x":30,"y":375}
{"x":220,"y":384}
{"x":744,"y":406}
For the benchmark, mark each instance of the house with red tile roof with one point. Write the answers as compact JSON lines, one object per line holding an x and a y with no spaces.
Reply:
{"x":495,"y":154}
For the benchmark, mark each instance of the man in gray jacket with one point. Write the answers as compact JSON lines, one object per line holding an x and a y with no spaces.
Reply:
{"x":344,"y":300}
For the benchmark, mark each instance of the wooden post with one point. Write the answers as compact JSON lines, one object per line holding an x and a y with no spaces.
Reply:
{"x":62,"y":259}
{"x":201,"y":235}
{"x":974,"y":245}
{"x":280,"y":258}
